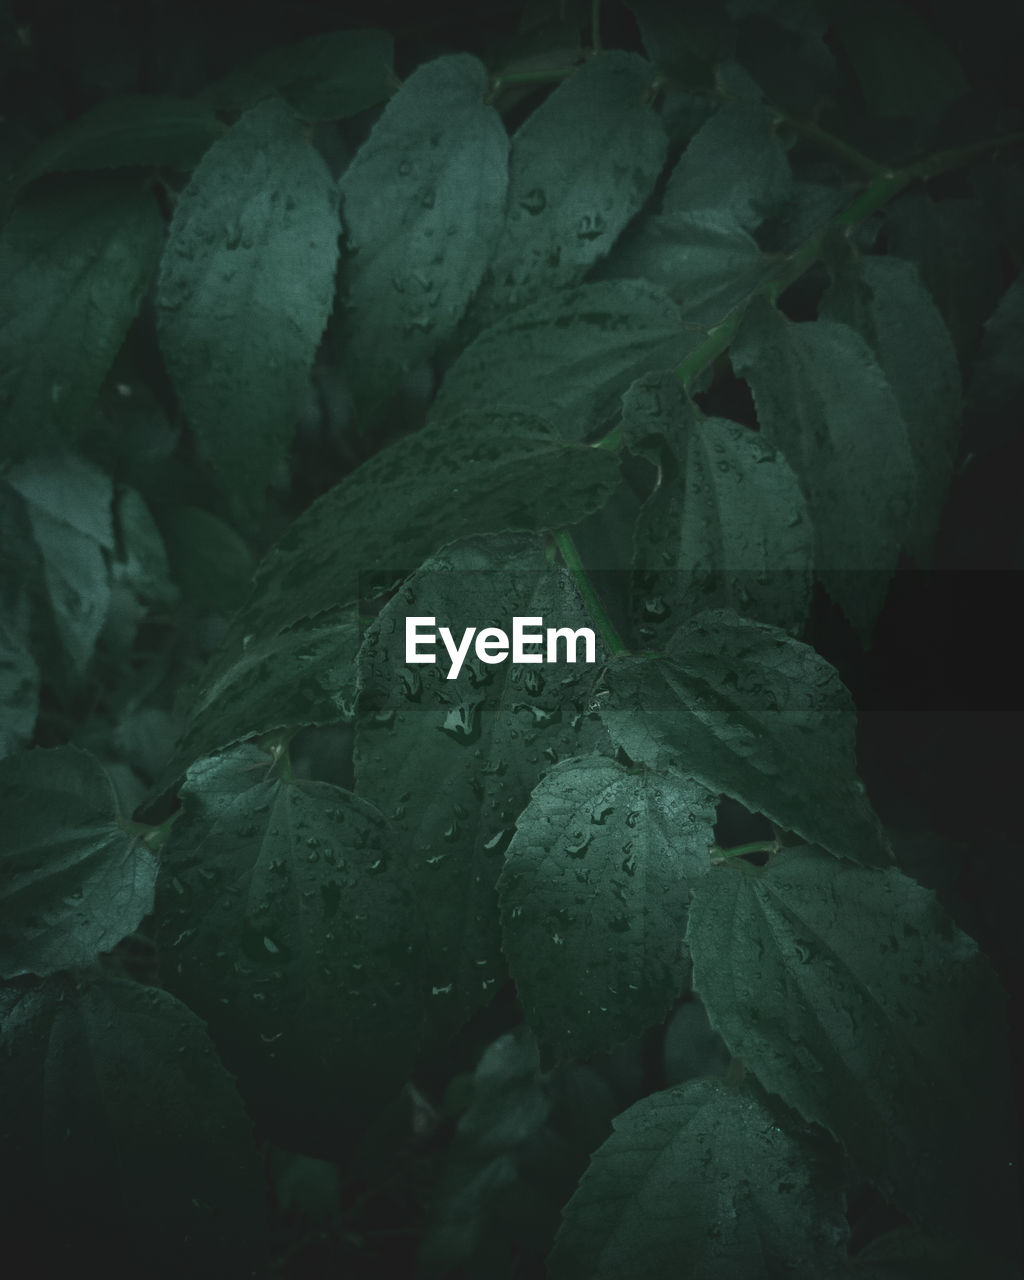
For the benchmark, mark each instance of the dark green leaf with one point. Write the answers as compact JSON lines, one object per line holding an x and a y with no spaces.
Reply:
{"x":903,"y":65}
{"x":145,"y":129}
{"x":705,"y":262}
{"x":747,"y":710}
{"x":209,"y":560}
{"x":74,"y":264}
{"x":884,"y":300}
{"x":246,"y":285}
{"x":593,"y":900}
{"x":284,"y":919}
{"x":568,"y":357}
{"x":907,"y":1254}
{"x":424,"y":198}
{"x":823,"y":400}
{"x":69,"y":508}
{"x":326,"y":77}
{"x":484,"y":471}
{"x":305,"y":675}
{"x":998,"y":379}
{"x":580,"y":167}
{"x":726,"y":526}
{"x":114,"y":1106}
{"x":850,"y":993}
{"x":74,"y":883}
{"x":699,"y":1180}
{"x":453,"y":761}
{"x":734,"y":165}
{"x":19,"y":678}
{"x":142,"y":566}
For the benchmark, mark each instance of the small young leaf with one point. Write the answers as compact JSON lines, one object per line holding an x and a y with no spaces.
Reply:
{"x":593,"y":900}
{"x":745,"y":709}
{"x":726,"y":526}
{"x":423,"y":201}
{"x":326,"y":77}
{"x":144,"y":129}
{"x":284,"y":919}
{"x":246,"y":285}
{"x":568,"y":357}
{"x":850,"y":993}
{"x":114,"y":1105}
{"x":453,"y":761}
{"x":74,"y":265}
{"x":734,"y":165}
{"x":74,"y":883}
{"x":699,"y":1180}
{"x":823,"y":400}
{"x":580,"y":167}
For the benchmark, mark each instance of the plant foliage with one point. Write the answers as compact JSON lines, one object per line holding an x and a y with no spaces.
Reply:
{"x":680,"y":324}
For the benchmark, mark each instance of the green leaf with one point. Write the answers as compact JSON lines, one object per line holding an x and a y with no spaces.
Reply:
{"x":143,"y":129}
{"x":246,"y":285}
{"x":903,"y":66}
{"x":745,"y":709}
{"x":581,"y":166}
{"x":699,"y":1180}
{"x":851,"y":994}
{"x":508,"y":1105}
{"x":115,"y":1107}
{"x":326,"y":77}
{"x":19,"y":677}
{"x":884,"y":300}
{"x":285,"y":920}
{"x":74,"y":882}
{"x":69,"y":508}
{"x":142,"y":566}
{"x":955,"y":245}
{"x":726,"y":526}
{"x":209,"y":560}
{"x":734,"y":166}
{"x":423,"y":200}
{"x":303,"y":676}
{"x":568,"y":357}
{"x":482,"y":472}
{"x":706,"y":262}
{"x":823,"y":400}
{"x":593,"y":900}
{"x":74,"y":264}
{"x":998,"y":378}
{"x":453,"y":762}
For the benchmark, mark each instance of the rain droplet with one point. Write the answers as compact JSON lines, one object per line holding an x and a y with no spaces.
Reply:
{"x":534,"y":201}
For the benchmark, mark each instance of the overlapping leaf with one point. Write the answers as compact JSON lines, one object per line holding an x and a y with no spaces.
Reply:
{"x":580,"y":167}
{"x":850,"y":993}
{"x":884,"y":300}
{"x":823,"y":400}
{"x":74,"y":265}
{"x":114,"y":1105}
{"x":423,"y":202}
{"x":746,"y":709}
{"x":453,"y":762}
{"x":700,"y":1180}
{"x":285,"y":920}
{"x":593,"y":899}
{"x":568,"y":357}
{"x":326,"y":77}
{"x":726,"y":526}
{"x":246,"y":285}
{"x":74,"y":883}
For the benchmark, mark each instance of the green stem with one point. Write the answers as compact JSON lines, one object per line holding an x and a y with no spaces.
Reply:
{"x":567,"y":548}
{"x":755,"y":846}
